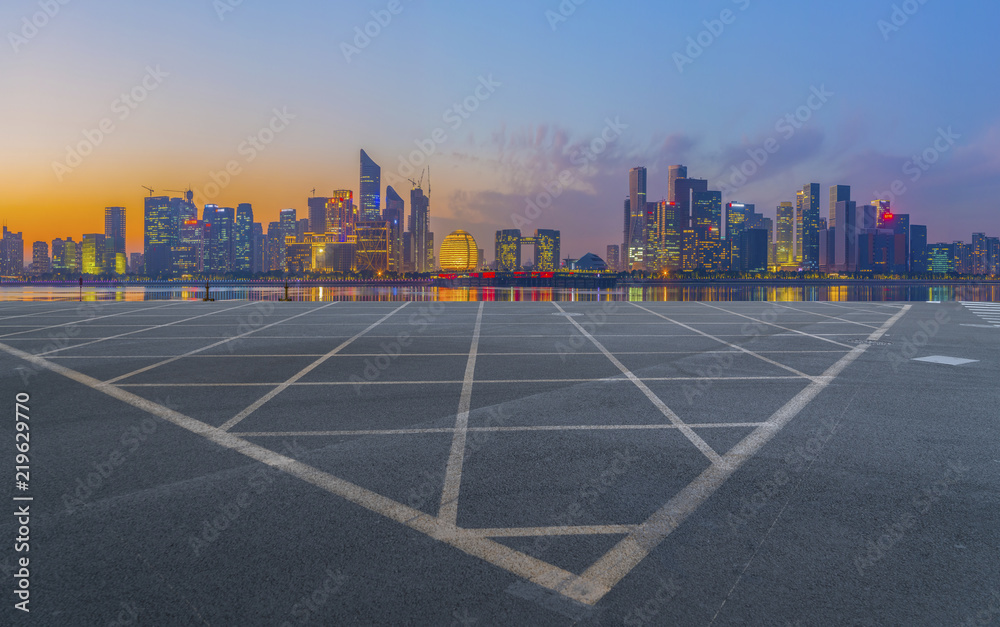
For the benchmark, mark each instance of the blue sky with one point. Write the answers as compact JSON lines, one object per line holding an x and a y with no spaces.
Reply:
{"x":892,"y":92}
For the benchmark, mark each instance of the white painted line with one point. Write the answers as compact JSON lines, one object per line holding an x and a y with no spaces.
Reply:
{"x":626,"y":555}
{"x":982,"y":326}
{"x":796,"y":331}
{"x":144,"y":329}
{"x":431,"y":431}
{"x":235,"y":420}
{"x":730,"y":345}
{"x":860,"y":324}
{"x":947,"y":361}
{"x":520,"y":564}
{"x":528,"y":532}
{"x":77,"y":321}
{"x":451,"y":382}
{"x":689,"y":433}
{"x":448,"y":511}
{"x":205,"y":348}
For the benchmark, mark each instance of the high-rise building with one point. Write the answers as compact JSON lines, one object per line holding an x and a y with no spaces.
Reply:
{"x":341,"y":215}
{"x":508,"y":250}
{"x":160,"y":232}
{"x":636,"y":239}
{"x":613,"y":260}
{"x":918,"y":248}
{"x":784,"y":237}
{"x":979,"y":254}
{"x":371,"y":187}
{"x":12,"y":253}
{"x":670,"y":225}
{"x":844,"y":254}
{"x":220,"y":248}
{"x":753,"y":247}
{"x":191,"y":247}
{"x":736,"y":217}
{"x":276,"y":247}
{"x":395,"y":213}
{"x":40,"y":262}
{"x":289,"y":222}
{"x":422,"y":242}
{"x":652,"y":236}
{"x":547,"y":249}
{"x":136,"y":265}
{"x":941,"y":258}
{"x":58,"y":256}
{"x":807,"y":226}
{"x":372,"y":247}
{"x":675,"y":172}
{"x":114,"y":228}
{"x":243,"y":239}
{"x":93,"y":256}
{"x":706,"y":214}
{"x":684,"y":191}
{"x":318,"y":218}
{"x":838,"y":194}
{"x":257,"y":249}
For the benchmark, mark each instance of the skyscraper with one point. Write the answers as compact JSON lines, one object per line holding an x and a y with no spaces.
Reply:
{"x":371,"y":186}
{"x":220,"y":248}
{"x":675,"y":172}
{"x":372,"y":247}
{"x":508,"y":250}
{"x":318,"y":218}
{"x":257,"y":264}
{"x":706,"y":214}
{"x":243,"y":238}
{"x":918,"y":248}
{"x":395,"y":213}
{"x":684,"y":190}
{"x":670,"y":226}
{"x":838,"y":193}
{"x":636,"y":240}
{"x":40,"y":262}
{"x":160,"y":231}
{"x":422,"y":245}
{"x":114,"y":228}
{"x":807,"y":225}
{"x":784,"y":238}
{"x":275,"y":247}
{"x":93,"y":257}
{"x":547,"y":249}
{"x":612,"y":257}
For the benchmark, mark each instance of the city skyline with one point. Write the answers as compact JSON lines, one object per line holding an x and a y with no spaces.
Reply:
{"x":492,"y":160}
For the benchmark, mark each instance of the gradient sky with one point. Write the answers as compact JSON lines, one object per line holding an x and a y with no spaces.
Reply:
{"x":558,"y":86}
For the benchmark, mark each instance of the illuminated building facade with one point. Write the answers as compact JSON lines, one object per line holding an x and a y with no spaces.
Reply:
{"x":635,"y":239}
{"x":459,"y":253}
{"x":373,"y":247}
{"x":784,"y":238}
{"x":160,"y":230}
{"x":190,"y":249}
{"x":371,"y":186}
{"x":114,"y":228}
{"x":93,"y":257}
{"x":394,"y":213}
{"x":40,"y":261}
{"x":508,"y":250}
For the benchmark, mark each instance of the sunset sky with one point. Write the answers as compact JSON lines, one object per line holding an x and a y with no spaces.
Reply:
{"x":219,"y":73}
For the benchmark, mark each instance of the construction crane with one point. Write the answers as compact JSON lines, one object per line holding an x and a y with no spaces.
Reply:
{"x":151,"y":190}
{"x":419,"y":185}
{"x":188,"y":193}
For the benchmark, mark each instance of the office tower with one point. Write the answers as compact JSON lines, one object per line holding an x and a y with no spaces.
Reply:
{"x":394,"y":213}
{"x":422,"y":243}
{"x":866,"y":218}
{"x":243,"y":238}
{"x":941,"y":258}
{"x":191,"y":247}
{"x":651,"y":235}
{"x":160,"y":231}
{"x":221,"y":246}
{"x":901,"y":231}
{"x":136,"y":265}
{"x":298,"y":256}
{"x":675,"y":172}
{"x":58,"y":256}
{"x":736,"y":218}
{"x":547,"y":249}
{"x":684,"y":190}
{"x":843,"y":256}
{"x":670,"y":226}
{"x":92,"y":259}
{"x":784,"y":238}
{"x":689,"y":250}
{"x":318,"y":219}
{"x":508,"y":250}
{"x":289,"y":222}
{"x":114,"y":228}
{"x":40,"y":262}
{"x":882,"y":207}
{"x":978,"y":256}
{"x":753,"y":247}
{"x":341,"y":215}
{"x":257,"y":248}
{"x":636,"y":238}
{"x":301,"y":228}
{"x":626,"y":225}
{"x":459,"y":253}
{"x":612,"y":257}
{"x":371,"y":187}
{"x":275,"y":247}
{"x":918,"y":248}
{"x":372,"y":247}
{"x":807,"y":227}
{"x":706,"y":214}
{"x":838,"y":194}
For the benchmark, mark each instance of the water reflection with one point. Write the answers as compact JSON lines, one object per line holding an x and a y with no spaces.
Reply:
{"x":874,"y":292}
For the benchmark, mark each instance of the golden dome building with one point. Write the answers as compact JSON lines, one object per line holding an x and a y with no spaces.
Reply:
{"x":459,"y":253}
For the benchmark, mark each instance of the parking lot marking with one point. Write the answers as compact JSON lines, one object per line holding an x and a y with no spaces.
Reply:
{"x":448,"y":511}
{"x":235,"y":420}
{"x":689,"y":433}
{"x":795,"y":331}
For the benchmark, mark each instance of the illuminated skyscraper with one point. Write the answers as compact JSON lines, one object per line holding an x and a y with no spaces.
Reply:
{"x":257,"y":249}
{"x":275,"y":247}
{"x":243,"y":238}
{"x":341,"y":215}
{"x":160,"y":231}
{"x":422,"y":244}
{"x":318,"y":218}
{"x":706,"y":214}
{"x":508,"y":250}
{"x":191,"y":247}
{"x":395,"y":213}
{"x":675,"y":172}
{"x":613,"y":260}
{"x":371,"y":186}
{"x":114,"y":228}
{"x":684,"y":191}
{"x":807,"y":227}
{"x":547,"y":249}
{"x":40,"y":262}
{"x":372,"y":247}
{"x":784,"y":238}
{"x":918,"y":248}
{"x":636,"y":240}
{"x":670,"y":227}
{"x":93,"y":257}
{"x":838,"y":193}
{"x":221,"y":246}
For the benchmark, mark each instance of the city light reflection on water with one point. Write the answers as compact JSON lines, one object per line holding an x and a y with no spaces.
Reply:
{"x":874,"y":292}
